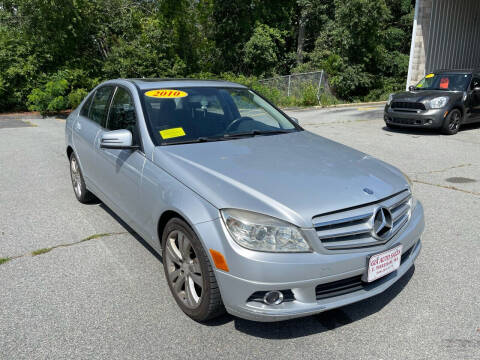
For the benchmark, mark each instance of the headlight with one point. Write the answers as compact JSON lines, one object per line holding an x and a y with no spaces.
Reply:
{"x":263,"y":233}
{"x":390,"y":98}
{"x":437,"y":103}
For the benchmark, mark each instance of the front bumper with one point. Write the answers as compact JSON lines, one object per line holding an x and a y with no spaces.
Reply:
{"x":252,"y":271}
{"x":415,"y":119}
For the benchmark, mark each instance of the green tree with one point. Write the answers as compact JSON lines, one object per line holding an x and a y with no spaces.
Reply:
{"x":263,"y":50}
{"x":363,"y":45}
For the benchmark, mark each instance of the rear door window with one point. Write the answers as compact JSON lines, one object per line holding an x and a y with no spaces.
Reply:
{"x":99,"y":108}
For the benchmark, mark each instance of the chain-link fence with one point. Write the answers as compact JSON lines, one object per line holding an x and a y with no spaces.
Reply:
{"x":295,"y":84}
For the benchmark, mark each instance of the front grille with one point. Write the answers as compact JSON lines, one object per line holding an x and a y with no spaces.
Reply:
{"x":407,"y":121}
{"x":339,"y":287}
{"x":407,"y":105}
{"x":353,"y":228}
{"x":350,"y":285}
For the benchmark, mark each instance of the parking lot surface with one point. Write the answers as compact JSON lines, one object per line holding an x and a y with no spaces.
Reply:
{"x":80,"y":284}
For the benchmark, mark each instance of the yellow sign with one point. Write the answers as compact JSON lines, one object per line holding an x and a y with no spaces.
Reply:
{"x":429,"y":76}
{"x":172,"y":133}
{"x":166,"y":93}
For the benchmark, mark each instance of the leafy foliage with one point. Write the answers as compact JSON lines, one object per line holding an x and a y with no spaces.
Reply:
{"x":51,"y":98}
{"x":53,"y":52}
{"x":262,"y":50}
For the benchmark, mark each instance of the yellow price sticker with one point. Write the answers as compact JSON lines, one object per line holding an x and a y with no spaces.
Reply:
{"x":429,"y":76}
{"x":166,"y":93}
{"x":172,"y":133}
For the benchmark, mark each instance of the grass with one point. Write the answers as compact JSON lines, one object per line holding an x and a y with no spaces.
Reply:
{"x":96,"y":236}
{"x":4,"y":260}
{"x":41,"y":251}
{"x":46,"y":250}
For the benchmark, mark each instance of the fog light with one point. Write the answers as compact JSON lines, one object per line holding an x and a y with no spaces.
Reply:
{"x":273,"y":298}
{"x":428,"y":122}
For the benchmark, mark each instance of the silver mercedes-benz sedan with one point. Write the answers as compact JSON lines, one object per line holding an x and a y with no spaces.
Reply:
{"x":251,"y":213}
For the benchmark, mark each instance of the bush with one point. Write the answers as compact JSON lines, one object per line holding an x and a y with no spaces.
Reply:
{"x":309,"y":95}
{"x":49,"y":99}
{"x":75,"y":97}
{"x":327,"y":99}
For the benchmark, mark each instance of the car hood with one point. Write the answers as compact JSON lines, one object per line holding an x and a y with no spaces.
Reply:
{"x":293,"y":176}
{"x":421,"y":95}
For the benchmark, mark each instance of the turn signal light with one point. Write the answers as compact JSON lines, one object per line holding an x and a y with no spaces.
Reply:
{"x":219,"y":260}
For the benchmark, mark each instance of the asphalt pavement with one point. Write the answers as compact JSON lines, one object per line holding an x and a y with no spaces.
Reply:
{"x":80,"y":284}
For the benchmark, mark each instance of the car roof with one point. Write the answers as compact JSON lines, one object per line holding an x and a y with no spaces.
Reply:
{"x":144,"y":84}
{"x":456,"y":71}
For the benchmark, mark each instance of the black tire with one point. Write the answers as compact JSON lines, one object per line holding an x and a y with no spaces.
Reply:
{"x":210,"y":303}
{"x":79,"y":188}
{"x":452,"y":122}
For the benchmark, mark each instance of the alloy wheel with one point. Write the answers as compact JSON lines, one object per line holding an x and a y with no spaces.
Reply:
{"x":76,"y":177}
{"x":183,"y":267}
{"x":454,"y":121}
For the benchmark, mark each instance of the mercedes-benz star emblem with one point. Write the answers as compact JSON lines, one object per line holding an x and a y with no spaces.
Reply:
{"x":382,"y":223}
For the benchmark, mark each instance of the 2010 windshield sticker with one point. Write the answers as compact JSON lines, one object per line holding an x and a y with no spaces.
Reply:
{"x":166,"y":93}
{"x":172,"y":133}
{"x":429,"y":76}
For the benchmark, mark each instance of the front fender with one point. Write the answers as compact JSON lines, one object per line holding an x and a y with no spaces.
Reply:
{"x":162,"y":192}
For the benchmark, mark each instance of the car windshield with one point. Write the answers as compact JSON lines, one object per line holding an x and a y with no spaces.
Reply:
{"x":445,"y":81}
{"x":200,"y":114}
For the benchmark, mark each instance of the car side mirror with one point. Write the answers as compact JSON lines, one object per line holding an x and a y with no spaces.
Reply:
{"x":411,"y":88}
{"x":294,"y":119}
{"x":117,"y":139}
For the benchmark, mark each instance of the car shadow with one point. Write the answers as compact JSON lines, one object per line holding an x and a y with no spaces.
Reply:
{"x":467,"y":127}
{"x":131,"y":231}
{"x":316,"y":324}
{"x":428,"y":132}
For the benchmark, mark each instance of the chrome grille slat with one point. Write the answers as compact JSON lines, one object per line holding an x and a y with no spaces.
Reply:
{"x":400,"y":222}
{"x":352,"y":244}
{"x":400,"y":203}
{"x":400,"y":211}
{"x":342,"y":221}
{"x":345,"y":231}
{"x":352,"y":228}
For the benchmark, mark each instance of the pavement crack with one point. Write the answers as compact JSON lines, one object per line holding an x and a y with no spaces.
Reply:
{"x":42,"y":251}
{"x":447,"y":187}
{"x":443,"y":170}
{"x":46,"y":250}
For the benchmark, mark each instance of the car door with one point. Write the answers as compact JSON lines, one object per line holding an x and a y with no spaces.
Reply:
{"x":475,"y":98}
{"x":86,"y":129}
{"x":120,"y":170}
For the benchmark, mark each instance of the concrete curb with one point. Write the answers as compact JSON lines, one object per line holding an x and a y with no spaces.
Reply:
{"x":334,"y":106}
{"x":20,"y":116}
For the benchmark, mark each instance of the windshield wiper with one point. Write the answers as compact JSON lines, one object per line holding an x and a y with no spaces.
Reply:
{"x":192,"y":141}
{"x":227,"y":136}
{"x":254,"y":133}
